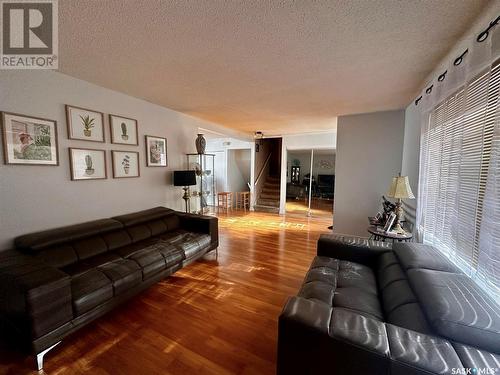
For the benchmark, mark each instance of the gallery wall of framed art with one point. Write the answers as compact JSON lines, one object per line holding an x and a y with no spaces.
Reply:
{"x":29,"y":140}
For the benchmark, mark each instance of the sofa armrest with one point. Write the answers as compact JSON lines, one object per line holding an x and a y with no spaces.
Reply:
{"x":314,"y":338}
{"x":201,"y":224}
{"x":34,"y":298}
{"x":353,"y":249}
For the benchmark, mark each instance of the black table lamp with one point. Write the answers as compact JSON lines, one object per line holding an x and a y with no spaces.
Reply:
{"x":185,"y":179}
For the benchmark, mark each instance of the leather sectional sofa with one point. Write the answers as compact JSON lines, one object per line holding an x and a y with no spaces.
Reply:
{"x":369,"y":308}
{"x":59,"y":280}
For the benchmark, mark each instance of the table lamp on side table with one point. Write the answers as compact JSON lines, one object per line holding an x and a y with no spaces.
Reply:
{"x":400,"y":189}
{"x":185,"y":179}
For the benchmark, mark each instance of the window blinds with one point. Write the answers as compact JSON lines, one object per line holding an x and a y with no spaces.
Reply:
{"x":460,"y":179}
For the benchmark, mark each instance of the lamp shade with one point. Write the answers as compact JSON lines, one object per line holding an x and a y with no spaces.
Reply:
{"x":400,"y":188}
{"x":184,"y":178}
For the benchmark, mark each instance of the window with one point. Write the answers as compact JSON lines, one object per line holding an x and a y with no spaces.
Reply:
{"x":460,"y":179}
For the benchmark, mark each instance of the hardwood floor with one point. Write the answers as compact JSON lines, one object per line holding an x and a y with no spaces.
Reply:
{"x":213,"y":317}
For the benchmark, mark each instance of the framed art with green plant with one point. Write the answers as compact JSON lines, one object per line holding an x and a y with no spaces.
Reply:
{"x":125,"y":164}
{"x":123,"y":130}
{"x":87,"y":164}
{"x":85,"y":124}
{"x":29,"y":140}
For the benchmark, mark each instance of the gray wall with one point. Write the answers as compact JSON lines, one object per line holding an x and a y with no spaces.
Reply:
{"x":369,"y":154}
{"x":34,"y":198}
{"x":238,"y":170}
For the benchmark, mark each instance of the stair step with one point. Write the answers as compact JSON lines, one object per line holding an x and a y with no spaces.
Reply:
{"x":268,"y":202}
{"x":262,"y":208}
{"x":271,"y":186}
{"x":270,"y":195}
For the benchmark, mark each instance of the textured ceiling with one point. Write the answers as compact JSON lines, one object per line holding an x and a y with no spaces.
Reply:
{"x":275,"y":66}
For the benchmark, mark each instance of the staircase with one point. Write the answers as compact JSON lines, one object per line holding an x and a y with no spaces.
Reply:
{"x":269,"y":198}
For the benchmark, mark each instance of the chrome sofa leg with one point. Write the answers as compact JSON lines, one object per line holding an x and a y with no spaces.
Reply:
{"x":39,"y":356}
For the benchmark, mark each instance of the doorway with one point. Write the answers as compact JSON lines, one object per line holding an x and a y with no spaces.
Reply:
{"x":310,"y":187}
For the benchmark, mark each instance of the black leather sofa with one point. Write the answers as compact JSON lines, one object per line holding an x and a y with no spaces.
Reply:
{"x":59,"y":280}
{"x":372,"y":308}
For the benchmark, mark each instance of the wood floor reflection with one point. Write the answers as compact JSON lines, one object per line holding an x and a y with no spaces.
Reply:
{"x":213,"y":317}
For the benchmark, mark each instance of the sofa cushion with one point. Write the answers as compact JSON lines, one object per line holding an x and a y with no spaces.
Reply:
{"x":172,"y":254}
{"x":89,"y":247}
{"x":409,"y":316}
{"x":457,"y":308}
{"x":342,"y":284}
{"x":190,"y":244}
{"x":87,"y":264}
{"x":390,"y":274}
{"x":359,"y":300}
{"x":117,"y":239}
{"x":89,"y":290}
{"x":157,"y":227}
{"x":124,"y":274}
{"x":150,"y":260}
{"x":353,"y":275}
{"x":139,"y":232}
{"x":58,"y":256}
{"x":174,"y":236}
{"x":416,"y":255}
{"x":128,"y":250}
{"x":397,"y":294}
{"x":172,"y":221}
{"x":417,"y":353}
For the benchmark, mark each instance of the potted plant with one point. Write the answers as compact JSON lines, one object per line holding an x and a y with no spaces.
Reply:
{"x":88,"y":161}
{"x":88,"y":124}
{"x":126,"y":164}
{"x":124,"y":131}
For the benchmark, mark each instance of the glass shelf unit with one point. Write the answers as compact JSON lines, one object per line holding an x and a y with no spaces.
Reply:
{"x":203,"y":194}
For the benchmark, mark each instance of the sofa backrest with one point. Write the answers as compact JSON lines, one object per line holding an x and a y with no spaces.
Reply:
{"x":400,"y":304}
{"x":64,"y":246}
{"x":454,"y":305}
{"x":61,"y":247}
{"x":457,"y":308}
{"x":145,"y":224}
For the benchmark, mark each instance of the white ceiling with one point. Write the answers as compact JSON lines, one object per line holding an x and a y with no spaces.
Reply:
{"x":275,"y":66}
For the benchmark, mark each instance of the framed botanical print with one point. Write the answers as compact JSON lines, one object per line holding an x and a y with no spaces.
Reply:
{"x":156,"y":151}
{"x":29,"y":140}
{"x":123,"y":130}
{"x":85,"y":124}
{"x":87,"y":164}
{"x":125,"y":164}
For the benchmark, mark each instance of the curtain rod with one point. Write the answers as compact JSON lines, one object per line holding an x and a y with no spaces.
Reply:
{"x":483,"y":35}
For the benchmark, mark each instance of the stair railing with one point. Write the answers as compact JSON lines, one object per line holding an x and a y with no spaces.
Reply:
{"x":259,"y":181}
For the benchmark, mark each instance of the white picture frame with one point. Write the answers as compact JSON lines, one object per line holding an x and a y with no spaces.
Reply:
{"x":125,"y":164}
{"x":124,"y":130}
{"x":389,"y":222}
{"x":87,"y":164}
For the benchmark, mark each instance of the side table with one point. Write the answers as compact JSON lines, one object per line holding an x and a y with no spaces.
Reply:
{"x":377,"y":234}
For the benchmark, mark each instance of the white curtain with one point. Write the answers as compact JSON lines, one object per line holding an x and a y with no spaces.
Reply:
{"x":458,"y":207}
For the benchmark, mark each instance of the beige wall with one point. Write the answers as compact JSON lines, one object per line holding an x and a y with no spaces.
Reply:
{"x":369,"y":154}
{"x":34,"y":198}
